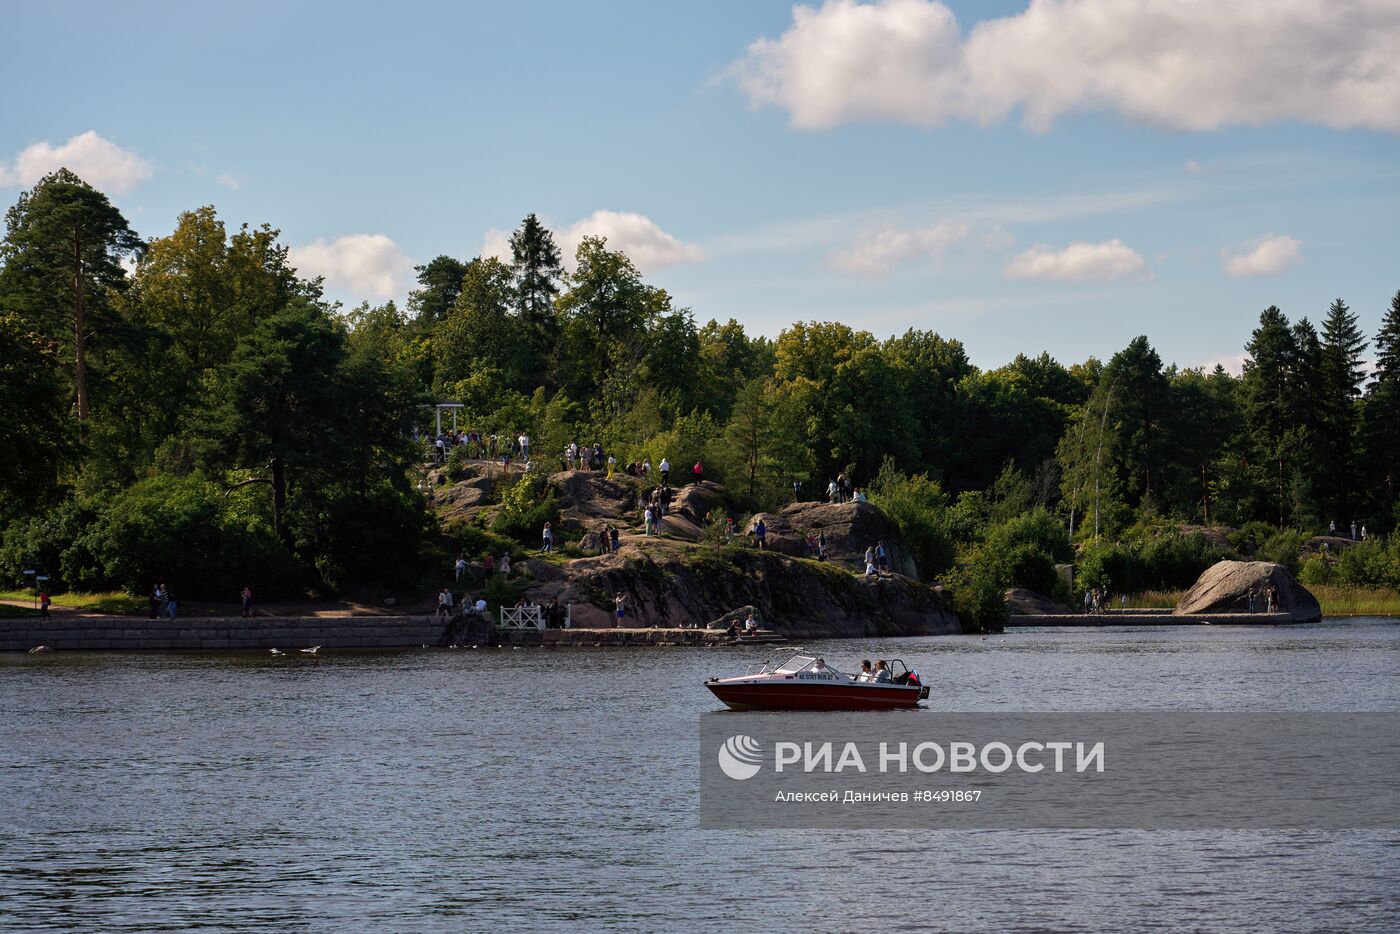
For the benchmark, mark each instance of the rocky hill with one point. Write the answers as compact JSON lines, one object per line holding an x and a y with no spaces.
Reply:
{"x":675,"y":579}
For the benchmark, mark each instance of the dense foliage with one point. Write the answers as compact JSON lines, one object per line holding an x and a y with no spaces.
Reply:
{"x":189,"y":406}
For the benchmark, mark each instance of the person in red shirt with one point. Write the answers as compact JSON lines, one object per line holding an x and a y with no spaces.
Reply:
{"x":44,"y":604}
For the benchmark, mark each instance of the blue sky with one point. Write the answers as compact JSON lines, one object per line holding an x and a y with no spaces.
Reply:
{"x":873,"y":164}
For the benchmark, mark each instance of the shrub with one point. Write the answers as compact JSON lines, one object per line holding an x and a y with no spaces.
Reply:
{"x":1368,"y":564}
{"x":526,"y":506}
{"x":979,"y":594}
{"x":1317,"y":571}
{"x":1248,"y":538}
{"x":1282,"y":548}
{"x":920,"y":509}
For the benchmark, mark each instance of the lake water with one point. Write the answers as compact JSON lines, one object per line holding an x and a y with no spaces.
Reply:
{"x":464,"y":790}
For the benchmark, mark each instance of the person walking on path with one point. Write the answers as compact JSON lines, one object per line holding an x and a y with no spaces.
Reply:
{"x":648,"y":521}
{"x":44,"y":604}
{"x":444,"y":604}
{"x":548,"y":539}
{"x":247,"y":601}
{"x":1353,"y":531}
{"x":699,"y":471}
{"x":612,"y":465}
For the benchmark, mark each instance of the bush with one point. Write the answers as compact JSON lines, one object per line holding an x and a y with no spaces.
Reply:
{"x":46,"y":543}
{"x":920,"y":509}
{"x":979,"y":594}
{"x":1248,"y":538}
{"x":1317,"y":571}
{"x":476,"y":542}
{"x":1368,"y":564}
{"x":526,"y":506}
{"x":1282,"y":548}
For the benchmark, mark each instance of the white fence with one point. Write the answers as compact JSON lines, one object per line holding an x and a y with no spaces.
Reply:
{"x":529,"y":617}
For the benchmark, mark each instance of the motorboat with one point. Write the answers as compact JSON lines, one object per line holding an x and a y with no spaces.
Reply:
{"x":805,"y":682}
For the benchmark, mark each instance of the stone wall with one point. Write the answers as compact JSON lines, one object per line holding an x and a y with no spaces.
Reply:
{"x":122,"y":633}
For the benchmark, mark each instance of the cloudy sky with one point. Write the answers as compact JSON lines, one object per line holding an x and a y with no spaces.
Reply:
{"x":1054,"y":175}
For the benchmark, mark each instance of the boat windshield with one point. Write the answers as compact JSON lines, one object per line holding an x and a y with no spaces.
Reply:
{"x":795,"y":664}
{"x":805,"y":663}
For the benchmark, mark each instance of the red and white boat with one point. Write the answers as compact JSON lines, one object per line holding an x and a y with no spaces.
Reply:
{"x":807,"y":683}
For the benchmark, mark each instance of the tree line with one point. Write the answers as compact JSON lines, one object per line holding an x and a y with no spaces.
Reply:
{"x":192,"y":404}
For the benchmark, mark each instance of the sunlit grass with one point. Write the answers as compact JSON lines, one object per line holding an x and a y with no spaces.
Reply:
{"x":114,"y":601}
{"x":1335,"y":599}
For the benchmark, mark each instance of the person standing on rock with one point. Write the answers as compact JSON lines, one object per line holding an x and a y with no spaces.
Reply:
{"x":548,"y":537}
{"x":612,"y":465}
{"x":505,"y":565}
{"x":488,"y":564}
{"x":247,"y":601}
{"x":699,"y":471}
{"x":459,"y":568}
{"x":1332,"y":527}
{"x":760,"y":534}
{"x":444,"y":603}
{"x":648,"y":521}
{"x":882,"y":557}
{"x":620,"y":603}
{"x":665,"y":471}
{"x":831,"y":492}
{"x":821,"y":546}
{"x":612,"y":536}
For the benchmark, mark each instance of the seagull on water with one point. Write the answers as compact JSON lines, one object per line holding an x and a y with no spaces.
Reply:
{"x":278,"y":652}
{"x":311,"y":651}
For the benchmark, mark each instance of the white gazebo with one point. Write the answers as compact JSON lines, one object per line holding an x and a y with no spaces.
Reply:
{"x":439,"y":406}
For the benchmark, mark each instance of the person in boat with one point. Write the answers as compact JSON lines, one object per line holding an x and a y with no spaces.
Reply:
{"x":882,"y":672}
{"x":865,"y":673}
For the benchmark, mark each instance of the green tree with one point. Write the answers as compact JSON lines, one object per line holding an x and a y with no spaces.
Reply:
{"x":1381,"y":420}
{"x":1268,"y":413}
{"x":33,"y":431}
{"x":275,"y":404}
{"x":1341,"y":377}
{"x":607,"y":309}
{"x":535,"y":261}
{"x":439,"y":284}
{"x":62,"y":263}
{"x":479,"y":330}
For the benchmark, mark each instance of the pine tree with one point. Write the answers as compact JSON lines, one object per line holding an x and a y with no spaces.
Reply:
{"x":62,"y":257}
{"x":538,"y":269}
{"x":1267,"y":408}
{"x":1381,"y":419}
{"x":1342,"y":376}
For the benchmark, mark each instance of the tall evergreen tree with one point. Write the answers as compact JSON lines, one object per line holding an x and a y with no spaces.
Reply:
{"x":1381,"y":421}
{"x":1342,"y":375}
{"x":1141,"y":393}
{"x":538,"y":270}
{"x":62,"y":254}
{"x":1267,"y":404}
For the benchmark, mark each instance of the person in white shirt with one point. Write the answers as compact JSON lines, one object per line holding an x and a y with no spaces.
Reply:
{"x":524,"y":447}
{"x":882,"y":673}
{"x":444,"y":606}
{"x":750,"y":624}
{"x":481,"y":604}
{"x":665,"y":470}
{"x":865,"y":674}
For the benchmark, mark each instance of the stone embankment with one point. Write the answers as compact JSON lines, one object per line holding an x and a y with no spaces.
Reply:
{"x":120,"y":633}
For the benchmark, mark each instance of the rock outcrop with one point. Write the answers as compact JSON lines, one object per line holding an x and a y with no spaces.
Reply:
{"x":668,"y":583}
{"x":850,"y":528}
{"x":589,"y":500}
{"x":1023,"y":602}
{"x":1226,"y":587}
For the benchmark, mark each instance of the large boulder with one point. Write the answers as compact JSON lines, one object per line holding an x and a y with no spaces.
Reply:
{"x":1226,"y":587}
{"x":850,"y":528}
{"x":739,"y":616}
{"x":697,"y":500}
{"x":1023,"y":602}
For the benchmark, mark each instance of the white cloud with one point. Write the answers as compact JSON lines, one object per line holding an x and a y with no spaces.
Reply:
{"x":99,"y":162}
{"x":1180,"y":65}
{"x":879,"y":253}
{"x":1233,"y":363}
{"x":368,"y":265}
{"x":1267,"y":256}
{"x":228,"y":180}
{"x":637,"y":235}
{"x":1079,"y":262}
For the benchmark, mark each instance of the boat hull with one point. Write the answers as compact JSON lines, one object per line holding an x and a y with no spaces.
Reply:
{"x":785,"y":695}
